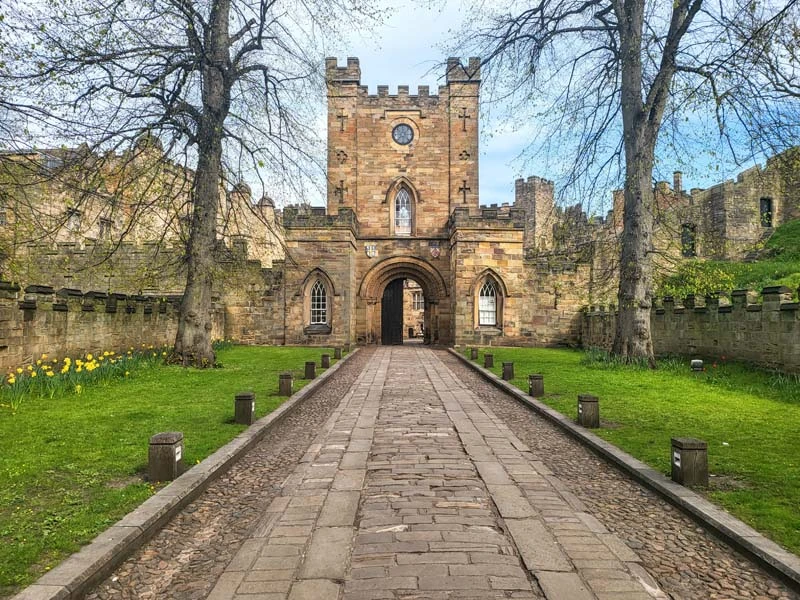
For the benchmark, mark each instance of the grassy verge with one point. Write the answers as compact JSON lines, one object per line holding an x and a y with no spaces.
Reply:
{"x":72,"y":465}
{"x":750,"y":419}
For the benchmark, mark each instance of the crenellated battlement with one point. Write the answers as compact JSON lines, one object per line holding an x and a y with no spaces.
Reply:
{"x":487,"y":218}
{"x":350,"y":73}
{"x":460,"y":72}
{"x":733,"y":324}
{"x":300,"y":217}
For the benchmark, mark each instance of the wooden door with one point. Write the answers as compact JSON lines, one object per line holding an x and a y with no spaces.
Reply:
{"x":392,"y":313}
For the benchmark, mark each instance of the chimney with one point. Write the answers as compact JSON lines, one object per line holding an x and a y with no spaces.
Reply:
{"x":677,"y":182}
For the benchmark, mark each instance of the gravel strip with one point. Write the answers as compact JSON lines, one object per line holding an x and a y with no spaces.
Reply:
{"x":688,"y":562}
{"x":185,"y":559}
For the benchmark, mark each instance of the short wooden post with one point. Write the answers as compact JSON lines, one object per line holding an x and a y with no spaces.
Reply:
{"x":697,"y":365}
{"x":588,"y":411}
{"x":337,"y":352}
{"x":165,"y":456}
{"x":488,"y":361}
{"x":245,"y":408}
{"x":325,"y":362}
{"x":285,"y":384}
{"x":473,"y":353}
{"x":690,"y":462}
{"x":536,"y":385}
{"x":508,"y":371}
{"x":311,"y":369}
{"x":347,"y":348}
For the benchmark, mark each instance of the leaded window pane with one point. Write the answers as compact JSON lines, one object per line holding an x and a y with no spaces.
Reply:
{"x":319,"y":303}
{"x":402,"y":212}
{"x":487,"y":304}
{"x":419,"y":301}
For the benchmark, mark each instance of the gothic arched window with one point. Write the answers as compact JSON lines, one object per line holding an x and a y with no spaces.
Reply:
{"x":402,"y":212}
{"x":487,"y":304}
{"x":319,"y":303}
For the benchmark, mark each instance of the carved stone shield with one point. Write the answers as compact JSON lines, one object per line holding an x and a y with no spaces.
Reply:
{"x":371,"y":250}
{"x":435,"y":250}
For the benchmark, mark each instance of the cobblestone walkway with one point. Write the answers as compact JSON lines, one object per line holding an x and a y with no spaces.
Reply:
{"x":415,"y":489}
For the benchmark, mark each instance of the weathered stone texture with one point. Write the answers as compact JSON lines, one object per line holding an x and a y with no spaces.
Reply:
{"x":766,"y":334}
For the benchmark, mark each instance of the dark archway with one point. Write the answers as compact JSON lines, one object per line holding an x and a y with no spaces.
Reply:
{"x":397,"y":268}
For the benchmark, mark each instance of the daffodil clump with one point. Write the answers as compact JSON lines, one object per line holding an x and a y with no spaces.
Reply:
{"x":50,"y":376}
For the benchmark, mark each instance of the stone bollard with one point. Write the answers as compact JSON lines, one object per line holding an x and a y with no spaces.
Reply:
{"x":244,"y":408}
{"x":337,"y":353}
{"x":473,"y":353}
{"x":508,"y":371}
{"x":690,"y":462}
{"x":697,"y":365}
{"x":588,"y":411}
{"x":488,"y":361}
{"x":285,"y":384}
{"x":325,"y":362}
{"x":311,"y":369}
{"x":536,"y":385}
{"x":165,"y":457}
{"x":347,"y":348}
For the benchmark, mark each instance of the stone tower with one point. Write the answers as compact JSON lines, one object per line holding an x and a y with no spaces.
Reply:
{"x":426,"y":143}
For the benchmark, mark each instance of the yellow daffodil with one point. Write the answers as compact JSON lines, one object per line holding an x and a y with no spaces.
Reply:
{"x":12,"y":380}
{"x":50,"y":373}
{"x":44,"y":356}
{"x":19,"y":370}
{"x":39,"y":362}
{"x":89,"y":357}
{"x":33,"y":374}
{"x":127,"y":373}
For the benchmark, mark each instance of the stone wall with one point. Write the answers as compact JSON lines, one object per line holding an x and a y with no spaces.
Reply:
{"x":765,"y":333}
{"x":69,"y":323}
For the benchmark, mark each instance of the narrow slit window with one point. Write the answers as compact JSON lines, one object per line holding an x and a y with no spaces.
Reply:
{"x":319,"y":304}
{"x":766,"y":212}
{"x":487,"y":304}
{"x":402,"y":212}
{"x":688,"y":240}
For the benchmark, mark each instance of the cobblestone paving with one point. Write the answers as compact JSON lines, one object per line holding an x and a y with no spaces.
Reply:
{"x":426,"y":482}
{"x":185,"y":560}
{"x":415,"y":489}
{"x":687,"y":562}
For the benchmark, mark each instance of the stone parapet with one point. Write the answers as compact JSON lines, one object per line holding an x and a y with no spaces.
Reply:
{"x":765,"y":333}
{"x":317,"y":217}
{"x":487,"y":218}
{"x":68,"y":322}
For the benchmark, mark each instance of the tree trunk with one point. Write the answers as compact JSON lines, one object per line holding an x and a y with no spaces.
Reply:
{"x":632,"y":340}
{"x":193,"y":341}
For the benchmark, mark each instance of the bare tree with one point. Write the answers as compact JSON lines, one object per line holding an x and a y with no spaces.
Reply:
{"x":605,"y":76}
{"x":227,"y":86}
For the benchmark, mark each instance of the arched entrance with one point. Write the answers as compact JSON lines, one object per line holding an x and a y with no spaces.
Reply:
{"x":383,"y":283}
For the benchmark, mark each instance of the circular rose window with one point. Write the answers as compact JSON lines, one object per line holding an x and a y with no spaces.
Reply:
{"x":403,"y":134}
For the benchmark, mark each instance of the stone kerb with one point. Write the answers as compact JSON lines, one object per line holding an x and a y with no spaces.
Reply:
{"x":41,"y":320}
{"x":734,"y":325}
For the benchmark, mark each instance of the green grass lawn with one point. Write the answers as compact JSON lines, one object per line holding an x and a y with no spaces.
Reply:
{"x":750,"y":419}
{"x":72,"y":465}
